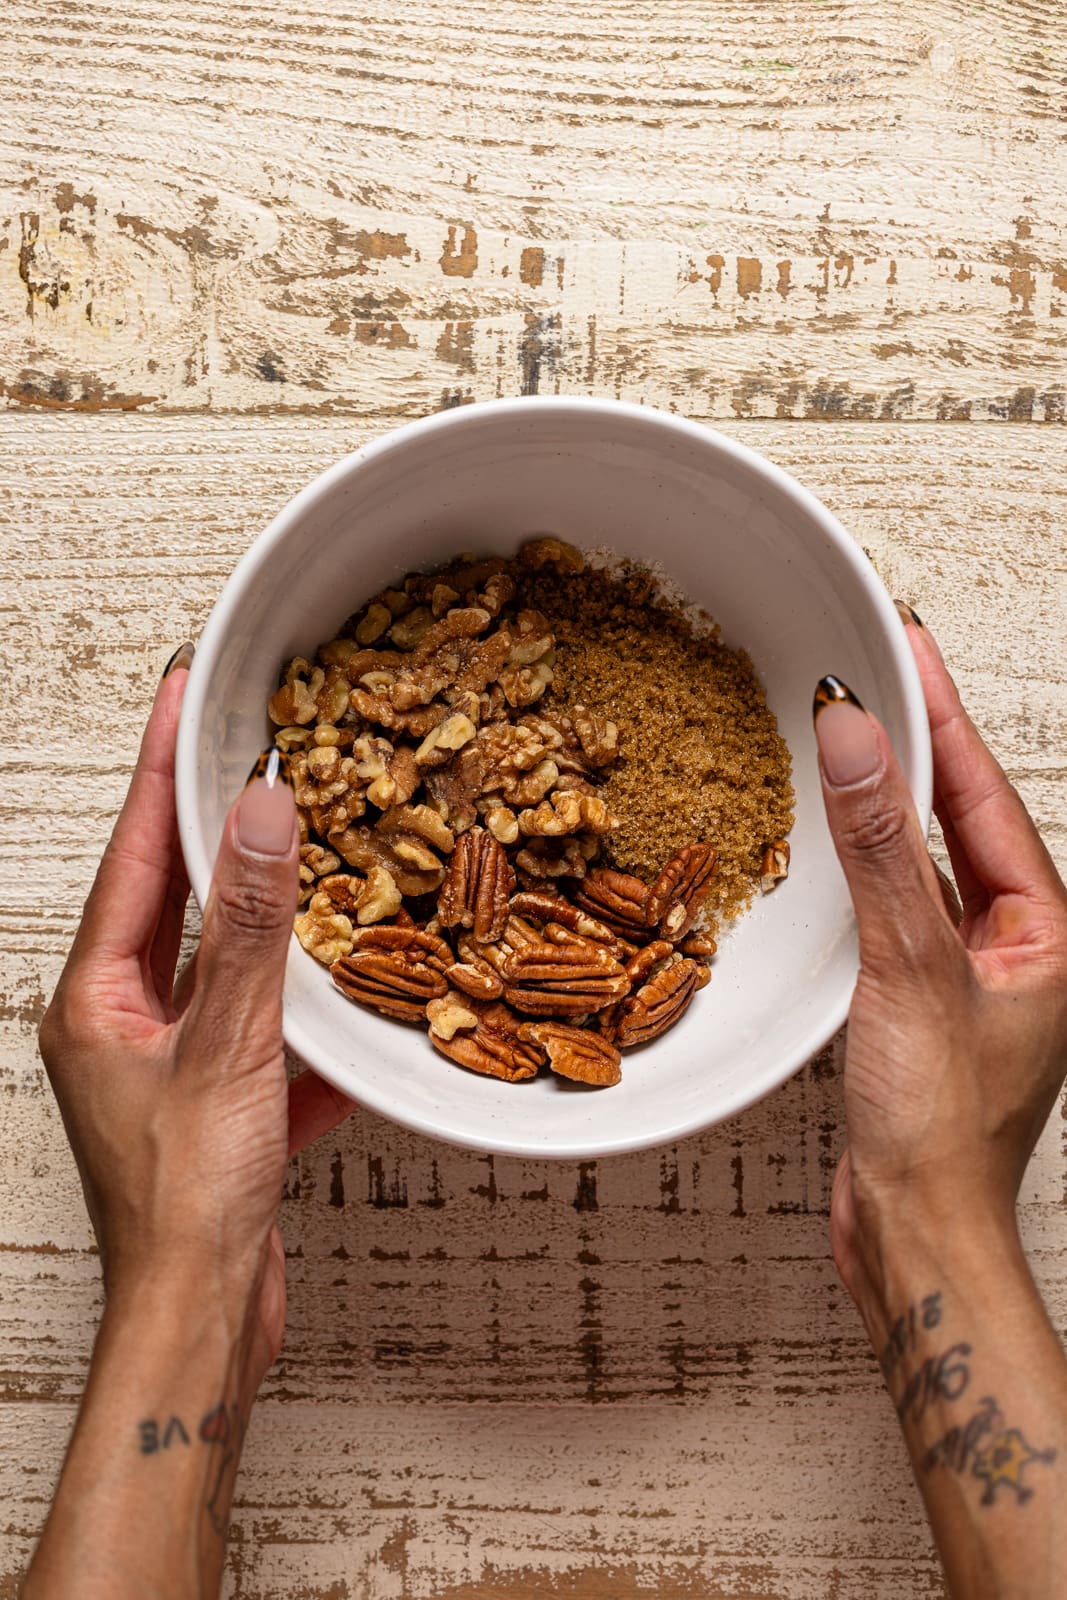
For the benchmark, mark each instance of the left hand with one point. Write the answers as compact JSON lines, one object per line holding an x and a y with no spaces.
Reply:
{"x":175,"y":1098}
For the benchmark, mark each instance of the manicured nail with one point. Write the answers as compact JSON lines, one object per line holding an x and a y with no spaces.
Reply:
{"x":181,"y":659}
{"x":266,"y":809}
{"x":845,"y":734}
{"x":908,"y":614}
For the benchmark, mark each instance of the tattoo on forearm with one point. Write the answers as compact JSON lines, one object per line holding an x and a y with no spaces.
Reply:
{"x":957,"y":1448}
{"x":220,"y":1427}
{"x":983,"y":1447}
{"x":152,"y":1440}
{"x":1001,"y":1461}
{"x":942,"y":1377}
{"x":923,"y":1315}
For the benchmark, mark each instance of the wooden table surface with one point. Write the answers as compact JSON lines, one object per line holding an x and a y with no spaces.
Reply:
{"x":235,"y":241}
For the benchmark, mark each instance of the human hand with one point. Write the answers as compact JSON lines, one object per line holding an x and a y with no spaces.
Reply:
{"x":175,"y":1099}
{"x":957,"y":1039}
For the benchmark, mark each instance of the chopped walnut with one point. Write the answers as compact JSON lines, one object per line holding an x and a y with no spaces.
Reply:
{"x":442,"y":742}
{"x":342,"y":890}
{"x":498,"y":590}
{"x":449,"y":1014}
{"x":322,"y":776}
{"x":389,"y":771}
{"x":502,"y":823}
{"x":567,"y":811}
{"x":598,"y":737}
{"x":364,"y":848}
{"x":380,"y":897}
{"x":375,"y":622}
{"x":406,"y":632}
{"x":319,"y":861}
{"x":295,"y":700}
{"x":290,"y":739}
{"x":326,"y":935}
{"x":550,"y":552}
{"x":337,"y":652}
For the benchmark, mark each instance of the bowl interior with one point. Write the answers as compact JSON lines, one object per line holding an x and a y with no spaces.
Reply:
{"x":739,"y":538}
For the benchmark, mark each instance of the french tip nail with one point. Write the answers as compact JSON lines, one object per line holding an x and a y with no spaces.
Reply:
{"x":273,"y":765}
{"x":908,"y":614}
{"x":182,"y":658}
{"x":830,"y":691}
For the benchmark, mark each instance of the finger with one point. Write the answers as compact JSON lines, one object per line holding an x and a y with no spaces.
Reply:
{"x":994,"y":829}
{"x":249,"y":915}
{"x":166,"y":946}
{"x":949,"y":896}
{"x":899,"y":911}
{"x":127,"y":898}
{"x":973,"y":893}
{"x":315,"y":1107}
{"x":185,"y":985}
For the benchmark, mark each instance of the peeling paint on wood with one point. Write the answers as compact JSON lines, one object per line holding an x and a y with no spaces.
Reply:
{"x":841,"y":212}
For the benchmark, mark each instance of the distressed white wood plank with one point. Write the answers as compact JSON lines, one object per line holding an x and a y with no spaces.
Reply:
{"x":799,"y":211}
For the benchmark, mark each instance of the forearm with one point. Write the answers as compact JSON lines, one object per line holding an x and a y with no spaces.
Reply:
{"x":143,"y":1501}
{"x":979,"y":1382}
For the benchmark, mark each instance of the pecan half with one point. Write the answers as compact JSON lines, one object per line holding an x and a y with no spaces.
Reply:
{"x":547,"y":908}
{"x":576,"y":1052}
{"x":775,"y":864}
{"x":683,"y":885}
{"x":568,"y":980}
{"x":477,"y":979}
{"x":616,"y":898}
{"x":477,"y":886}
{"x":659,"y":1003}
{"x":640,"y":966}
{"x":395,"y":970}
{"x":494,"y":1048}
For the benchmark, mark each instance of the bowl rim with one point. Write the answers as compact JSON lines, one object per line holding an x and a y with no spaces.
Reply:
{"x":200,"y":867}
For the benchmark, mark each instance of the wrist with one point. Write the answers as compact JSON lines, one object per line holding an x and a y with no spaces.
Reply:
{"x":910,"y":1246}
{"x":169,"y":1321}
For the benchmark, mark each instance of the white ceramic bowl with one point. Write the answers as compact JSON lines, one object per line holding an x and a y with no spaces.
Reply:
{"x":741,"y":538}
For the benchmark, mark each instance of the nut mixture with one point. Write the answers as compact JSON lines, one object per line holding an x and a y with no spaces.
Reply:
{"x":453,"y":819}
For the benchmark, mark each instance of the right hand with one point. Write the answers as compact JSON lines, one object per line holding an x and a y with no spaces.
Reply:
{"x":957,"y":1038}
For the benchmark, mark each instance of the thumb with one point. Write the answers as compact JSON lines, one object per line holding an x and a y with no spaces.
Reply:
{"x":892,"y":881}
{"x":249,"y":914}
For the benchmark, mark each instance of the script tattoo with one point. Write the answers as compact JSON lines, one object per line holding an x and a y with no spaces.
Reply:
{"x":957,"y":1448}
{"x":153,"y":1438}
{"x":924,"y":1315}
{"x":942,"y":1377}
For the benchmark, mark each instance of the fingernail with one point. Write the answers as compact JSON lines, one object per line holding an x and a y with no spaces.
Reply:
{"x":845,"y":734}
{"x":182,"y":658}
{"x":908,"y":614}
{"x":266,"y":809}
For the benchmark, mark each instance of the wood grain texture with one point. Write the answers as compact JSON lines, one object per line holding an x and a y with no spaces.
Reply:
{"x":824,"y":210}
{"x":504,"y":1379}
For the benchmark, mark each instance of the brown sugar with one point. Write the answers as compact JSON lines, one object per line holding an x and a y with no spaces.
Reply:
{"x":701,"y":758}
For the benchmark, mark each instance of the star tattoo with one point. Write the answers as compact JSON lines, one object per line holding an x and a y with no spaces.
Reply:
{"x":1004,"y":1460}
